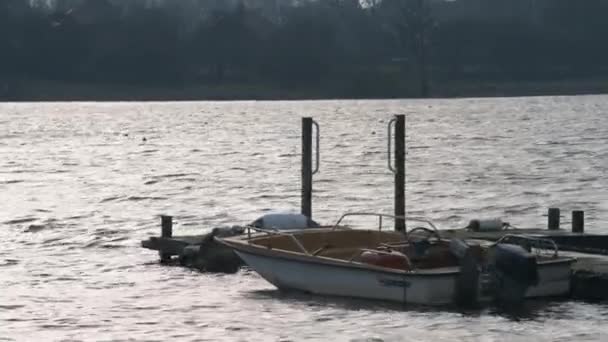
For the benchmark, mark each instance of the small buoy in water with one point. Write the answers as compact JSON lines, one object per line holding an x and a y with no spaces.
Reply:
{"x":144,"y":139}
{"x":34,"y":228}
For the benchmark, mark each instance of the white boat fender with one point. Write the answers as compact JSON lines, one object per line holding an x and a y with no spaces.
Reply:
{"x":487,"y":225}
{"x":285,"y":221}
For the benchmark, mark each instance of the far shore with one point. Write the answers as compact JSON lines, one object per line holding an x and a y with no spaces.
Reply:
{"x":33,"y":91}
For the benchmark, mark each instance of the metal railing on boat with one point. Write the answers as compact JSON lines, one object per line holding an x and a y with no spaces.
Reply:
{"x":276,"y":231}
{"x":531,"y":242}
{"x":381,"y":216}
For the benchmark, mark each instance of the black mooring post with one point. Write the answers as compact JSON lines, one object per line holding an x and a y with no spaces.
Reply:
{"x":578,"y":221}
{"x":400,"y":171}
{"x":166,"y":224}
{"x":553,"y":219}
{"x":307,"y":167}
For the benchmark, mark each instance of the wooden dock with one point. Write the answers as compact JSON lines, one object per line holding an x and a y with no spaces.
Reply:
{"x":565,"y":240}
{"x":196,"y":251}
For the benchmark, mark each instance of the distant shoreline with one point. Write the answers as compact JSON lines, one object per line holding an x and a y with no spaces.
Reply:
{"x":56,"y":91}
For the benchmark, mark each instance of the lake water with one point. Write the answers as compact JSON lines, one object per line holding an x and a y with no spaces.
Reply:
{"x":80,"y":187}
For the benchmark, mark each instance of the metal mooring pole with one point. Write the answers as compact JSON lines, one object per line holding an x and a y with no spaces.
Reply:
{"x":166,"y":232}
{"x":307,"y":170}
{"x":578,"y":221}
{"x":399,"y":169}
{"x":553,"y":219}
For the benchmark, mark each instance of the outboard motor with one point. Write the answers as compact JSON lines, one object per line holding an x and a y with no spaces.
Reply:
{"x":467,"y":283}
{"x":515,"y":270}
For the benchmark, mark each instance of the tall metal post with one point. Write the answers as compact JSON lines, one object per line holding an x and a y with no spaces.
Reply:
{"x":307,"y":167}
{"x":399,"y":171}
{"x":166,"y":232}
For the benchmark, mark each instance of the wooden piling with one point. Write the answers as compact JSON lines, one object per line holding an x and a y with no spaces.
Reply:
{"x":553,"y":219}
{"x":578,"y":221}
{"x":307,"y":167}
{"x":166,"y":223}
{"x":399,"y":171}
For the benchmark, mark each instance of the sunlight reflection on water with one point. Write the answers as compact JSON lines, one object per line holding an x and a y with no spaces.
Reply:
{"x":81,"y":187}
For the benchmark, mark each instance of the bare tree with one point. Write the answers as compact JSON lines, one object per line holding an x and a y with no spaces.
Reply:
{"x":412,"y":24}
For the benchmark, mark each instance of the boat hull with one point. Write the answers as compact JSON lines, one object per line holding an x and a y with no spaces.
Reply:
{"x":553,"y":279}
{"x":324,"y":279}
{"x":428,"y":288}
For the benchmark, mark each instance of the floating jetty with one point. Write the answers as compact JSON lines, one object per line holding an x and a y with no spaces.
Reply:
{"x":589,"y":276}
{"x":196,"y":251}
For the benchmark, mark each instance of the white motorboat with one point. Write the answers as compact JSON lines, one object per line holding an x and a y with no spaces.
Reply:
{"x":414,"y":267}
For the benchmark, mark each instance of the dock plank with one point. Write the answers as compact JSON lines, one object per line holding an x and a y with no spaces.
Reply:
{"x":174,"y":245}
{"x":565,"y":240}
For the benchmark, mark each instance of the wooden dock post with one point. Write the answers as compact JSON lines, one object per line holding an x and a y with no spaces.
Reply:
{"x":399,"y":171}
{"x":166,"y":223}
{"x":578,"y":221}
{"x":553,"y":215}
{"x":307,"y":167}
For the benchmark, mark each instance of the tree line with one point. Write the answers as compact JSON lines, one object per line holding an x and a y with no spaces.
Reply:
{"x":362,"y":48}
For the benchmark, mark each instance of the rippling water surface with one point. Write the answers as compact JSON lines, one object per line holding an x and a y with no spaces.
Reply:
{"x":80,"y":187}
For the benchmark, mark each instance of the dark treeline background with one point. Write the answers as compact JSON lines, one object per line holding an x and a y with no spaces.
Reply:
{"x":371,"y":48}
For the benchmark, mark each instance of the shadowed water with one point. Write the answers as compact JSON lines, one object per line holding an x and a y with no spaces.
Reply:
{"x":80,"y":187}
